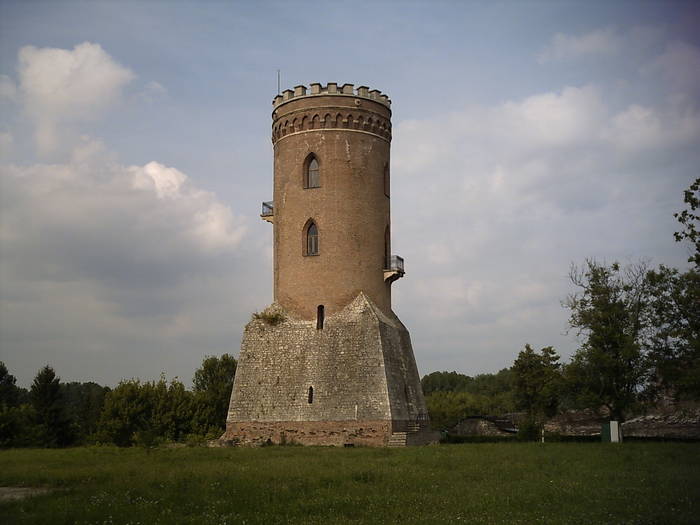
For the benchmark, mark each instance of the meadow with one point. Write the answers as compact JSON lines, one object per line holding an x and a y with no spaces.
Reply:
{"x":528,"y":483}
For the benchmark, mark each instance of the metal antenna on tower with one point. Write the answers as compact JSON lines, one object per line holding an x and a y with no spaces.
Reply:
{"x":278,"y":81}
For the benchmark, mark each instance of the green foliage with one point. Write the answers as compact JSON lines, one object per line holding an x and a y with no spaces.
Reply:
{"x":134,"y":409}
{"x":689,"y":219}
{"x":490,"y":483}
{"x":10,"y":393}
{"x":271,"y":317}
{"x":213,"y":383}
{"x":83,"y":402}
{"x":608,"y":311}
{"x":529,"y":430}
{"x":538,"y":382}
{"x":451,"y":397}
{"x":673,"y":342}
{"x":55,"y":429}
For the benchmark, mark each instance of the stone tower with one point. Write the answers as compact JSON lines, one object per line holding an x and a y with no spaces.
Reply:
{"x":328,"y":362}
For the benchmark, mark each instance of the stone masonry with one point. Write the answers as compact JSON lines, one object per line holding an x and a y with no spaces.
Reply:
{"x":329,"y":363}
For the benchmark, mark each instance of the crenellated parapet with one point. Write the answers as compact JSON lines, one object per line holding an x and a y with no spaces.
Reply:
{"x":332,"y":88}
{"x":345,"y":107}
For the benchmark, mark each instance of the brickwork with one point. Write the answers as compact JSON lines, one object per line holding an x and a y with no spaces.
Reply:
{"x":354,"y":380}
{"x":351,"y":143}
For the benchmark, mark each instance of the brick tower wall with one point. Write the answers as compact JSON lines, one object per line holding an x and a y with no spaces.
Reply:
{"x":350,"y":137}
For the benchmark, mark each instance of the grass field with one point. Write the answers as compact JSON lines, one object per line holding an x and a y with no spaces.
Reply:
{"x":586,"y":483}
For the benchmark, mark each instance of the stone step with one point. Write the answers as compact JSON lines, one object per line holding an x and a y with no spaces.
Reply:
{"x":398,"y":439}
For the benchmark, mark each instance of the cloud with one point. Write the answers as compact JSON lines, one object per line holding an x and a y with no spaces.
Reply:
{"x":152,"y":91}
{"x":600,"y":43}
{"x":59,"y":87}
{"x":679,"y":67}
{"x":7,"y":142}
{"x":491,"y":204}
{"x":8,"y":89}
{"x":603,"y":42}
{"x":95,"y":219}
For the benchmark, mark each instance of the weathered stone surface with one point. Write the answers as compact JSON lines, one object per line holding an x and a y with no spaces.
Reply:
{"x":360,"y":366}
{"x":340,"y":368}
{"x":679,"y":424}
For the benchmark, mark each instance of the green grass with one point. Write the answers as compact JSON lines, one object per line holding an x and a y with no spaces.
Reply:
{"x":586,"y":483}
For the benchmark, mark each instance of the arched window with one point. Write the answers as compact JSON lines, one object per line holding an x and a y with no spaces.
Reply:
{"x":311,"y":235}
{"x":387,"y":248}
{"x":311,"y":395}
{"x":312,"y":178}
{"x":319,"y":317}
{"x":387,"y":185}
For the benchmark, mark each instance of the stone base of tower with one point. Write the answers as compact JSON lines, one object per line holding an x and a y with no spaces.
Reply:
{"x":353,"y":382}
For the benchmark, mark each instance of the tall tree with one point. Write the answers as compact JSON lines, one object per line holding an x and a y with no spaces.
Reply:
{"x":9,"y":391}
{"x":690,"y":220}
{"x":48,"y":402}
{"x":608,"y":312}
{"x":538,"y":381}
{"x":213,"y":383}
{"x":673,"y":343}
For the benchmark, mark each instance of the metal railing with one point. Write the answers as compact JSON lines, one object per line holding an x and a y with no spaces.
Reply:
{"x":268,"y":209}
{"x":395,"y":263}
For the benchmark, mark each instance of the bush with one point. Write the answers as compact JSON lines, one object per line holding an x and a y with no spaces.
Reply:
{"x":529,"y":430}
{"x":271,"y":317}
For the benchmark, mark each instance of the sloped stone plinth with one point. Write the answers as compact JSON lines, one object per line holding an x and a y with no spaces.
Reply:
{"x":354,"y":381}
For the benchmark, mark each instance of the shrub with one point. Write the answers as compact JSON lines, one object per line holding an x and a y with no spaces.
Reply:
{"x":271,"y":317}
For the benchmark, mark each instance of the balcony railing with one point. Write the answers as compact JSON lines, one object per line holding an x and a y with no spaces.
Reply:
{"x":268,"y":209}
{"x":395,"y":264}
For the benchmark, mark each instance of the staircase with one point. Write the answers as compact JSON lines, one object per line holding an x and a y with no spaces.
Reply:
{"x":409,"y":437}
{"x":398,"y":439}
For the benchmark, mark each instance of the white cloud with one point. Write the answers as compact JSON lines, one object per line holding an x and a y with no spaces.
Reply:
{"x":678,"y":66}
{"x":78,"y":215}
{"x":7,"y":142}
{"x":8,"y":89}
{"x":60,"y":86}
{"x":596,"y":43}
{"x":492,"y":203}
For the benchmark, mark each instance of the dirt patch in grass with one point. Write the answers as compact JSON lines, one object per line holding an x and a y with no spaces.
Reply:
{"x":15,"y":493}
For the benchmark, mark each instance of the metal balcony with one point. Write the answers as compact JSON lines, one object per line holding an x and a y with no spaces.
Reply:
{"x":268,"y":211}
{"x":393,"y":268}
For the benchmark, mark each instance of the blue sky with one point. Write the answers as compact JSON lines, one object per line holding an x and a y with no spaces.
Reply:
{"x":136,"y":151}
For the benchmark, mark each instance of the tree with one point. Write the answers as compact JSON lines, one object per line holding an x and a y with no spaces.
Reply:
{"x":538,"y":380}
{"x":689,"y":219}
{"x":84,"y":402}
{"x":136,"y":412}
{"x":673,"y":343}
{"x":9,"y":391}
{"x":47,"y":400}
{"x":608,"y":311}
{"x":213,"y":383}
{"x":17,"y":419}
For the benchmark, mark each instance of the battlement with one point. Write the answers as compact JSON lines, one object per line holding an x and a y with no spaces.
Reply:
{"x":332,"y":88}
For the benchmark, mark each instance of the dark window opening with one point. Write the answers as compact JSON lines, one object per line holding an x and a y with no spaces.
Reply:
{"x":311,"y":394}
{"x":387,"y":184}
{"x":312,"y":178}
{"x":312,"y":239}
{"x":319,"y":317}
{"x":387,"y":248}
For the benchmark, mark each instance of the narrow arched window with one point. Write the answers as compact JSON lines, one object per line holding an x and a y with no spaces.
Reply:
{"x":311,"y":239}
{"x":312,"y":177}
{"x":387,"y":248}
{"x":311,"y":395}
{"x":387,"y":185}
{"x":319,"y":317}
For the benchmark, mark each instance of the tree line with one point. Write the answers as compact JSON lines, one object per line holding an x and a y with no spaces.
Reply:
{"x":639,"y":329}
{"x":56,"y":414}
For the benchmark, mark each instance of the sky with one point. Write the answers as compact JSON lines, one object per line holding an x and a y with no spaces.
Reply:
{"x":135,"y":152}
